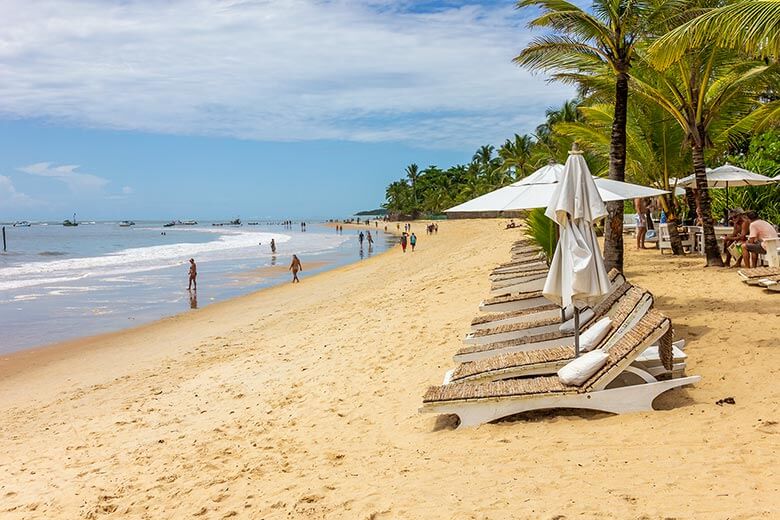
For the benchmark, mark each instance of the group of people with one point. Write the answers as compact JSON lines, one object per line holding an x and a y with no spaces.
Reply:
{"x":747,"y":238}
{"x":430,"y":229}
{"x":368,"y":237}
{"x":408,"y":239}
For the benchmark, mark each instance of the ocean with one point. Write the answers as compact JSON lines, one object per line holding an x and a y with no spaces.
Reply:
{"x":59,"y":283}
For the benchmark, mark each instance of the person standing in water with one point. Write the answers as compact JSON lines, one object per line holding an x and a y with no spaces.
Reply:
{"x":360,"y":238}
{"x":273,"y":246}
{"x":295,"y":267}
{"x":370,"y":239}
{"x":193,"y":275}
{"x":413,"y":241}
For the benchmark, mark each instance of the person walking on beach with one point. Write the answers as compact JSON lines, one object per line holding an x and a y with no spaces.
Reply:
{"x":413,"y":241}
{"x":295,"y":267}
{"x":193,"y":275}
{"x":403,"y":241}
{"x":273,"y":247}
{"x":641,"y":222}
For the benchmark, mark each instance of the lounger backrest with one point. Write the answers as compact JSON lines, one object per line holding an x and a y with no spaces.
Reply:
{"x":652,"y":327}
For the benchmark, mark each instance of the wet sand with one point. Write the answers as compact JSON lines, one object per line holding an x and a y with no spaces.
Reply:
{"x":300,"y":401}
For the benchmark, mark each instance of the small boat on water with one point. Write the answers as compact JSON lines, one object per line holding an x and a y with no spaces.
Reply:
{"x":253,"y":223}
{"x":189,"y":222}
{"x":126,"y":223}
{"x":170,"y":224}
{"x":22,"y":223}
{"x":70,"y":223}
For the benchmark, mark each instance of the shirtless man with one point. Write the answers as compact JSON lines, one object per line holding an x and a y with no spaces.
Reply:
{"x":295,"y":266}
{"x":273,"y":246}
{"x":760,"y":230}
{"x":193,"y":275}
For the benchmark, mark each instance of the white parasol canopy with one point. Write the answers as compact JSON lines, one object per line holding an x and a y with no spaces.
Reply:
{"x":728,"y":176}
{"x":536,"y":190}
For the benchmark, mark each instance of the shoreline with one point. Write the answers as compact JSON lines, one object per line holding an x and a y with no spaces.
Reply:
{"x":301,"y":401}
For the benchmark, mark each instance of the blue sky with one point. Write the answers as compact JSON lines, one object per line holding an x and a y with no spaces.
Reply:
{"x":217,"y":108}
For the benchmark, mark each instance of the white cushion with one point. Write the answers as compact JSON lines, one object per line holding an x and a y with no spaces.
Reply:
{"x":581,"y":369}
{"x":591,"y":338}
{"x":567,"y":327}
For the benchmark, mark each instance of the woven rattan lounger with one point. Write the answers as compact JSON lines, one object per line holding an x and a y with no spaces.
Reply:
{"x":626,"y":313}
{"x":753,"y":276}
{"x":547,"y":311}
{"x":638,"y":298}
{"x":501,"y":333}
{"x":617,"y":387}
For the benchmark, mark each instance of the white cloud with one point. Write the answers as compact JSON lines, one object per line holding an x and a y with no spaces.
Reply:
{"x":77,"y":182}
{"x":127,"y":190}
{"x":272,"y":69}
{"x":10,"y":198}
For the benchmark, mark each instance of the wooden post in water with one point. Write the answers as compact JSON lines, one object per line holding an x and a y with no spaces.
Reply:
{"x":3,"y":239}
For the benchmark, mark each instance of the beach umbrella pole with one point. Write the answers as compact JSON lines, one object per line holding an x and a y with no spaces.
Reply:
{"x":576,"y":332}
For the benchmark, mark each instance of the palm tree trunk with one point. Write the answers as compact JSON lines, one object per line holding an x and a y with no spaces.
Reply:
{"x":711,"y":249}
{"x":671,"y":224}
{"x":613,"y":228}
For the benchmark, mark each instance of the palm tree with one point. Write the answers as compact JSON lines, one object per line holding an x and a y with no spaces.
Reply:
{"x":713,"y":95}
{"x":653,"y":143}
{"x":750,"y":26}
{"x":581,"y":46}
{"x":412,"y":173}
{"x":515,"y":155}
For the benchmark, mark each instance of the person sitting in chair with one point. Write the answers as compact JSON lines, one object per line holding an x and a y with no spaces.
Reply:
{"x":760,"y":230}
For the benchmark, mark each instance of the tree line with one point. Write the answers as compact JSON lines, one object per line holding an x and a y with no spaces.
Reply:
{"x":665,"y":88}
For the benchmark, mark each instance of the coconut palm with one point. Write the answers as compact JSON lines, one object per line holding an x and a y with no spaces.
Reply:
{"x":412,"y":173}
{"x":750,"y":26}
{"x":713,"y":94}
{"x":583,"y":45}
{"x":653,"y":143}
{"x":515,"y":155}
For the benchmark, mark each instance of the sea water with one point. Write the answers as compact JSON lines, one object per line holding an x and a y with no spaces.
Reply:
{"x":59,"y":283}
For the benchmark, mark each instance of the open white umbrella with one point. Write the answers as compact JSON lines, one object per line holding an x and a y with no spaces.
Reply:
{"x":727,"y":176}
{"x":577,"y":274}
{"x":536,"y":190}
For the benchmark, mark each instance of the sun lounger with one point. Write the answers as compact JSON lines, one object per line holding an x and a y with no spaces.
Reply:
{"x":532,"y":282}
{"x":546,"y":311}
{"x":509,"y":332}
{"x":752,"y":276}
{"x":532,"y":360}
{"x":617,"y":387}
{"x":620,"y":303}
{"x":513,"y":302}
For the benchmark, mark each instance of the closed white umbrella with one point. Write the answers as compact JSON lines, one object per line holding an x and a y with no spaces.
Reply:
{"x":577,"y":274}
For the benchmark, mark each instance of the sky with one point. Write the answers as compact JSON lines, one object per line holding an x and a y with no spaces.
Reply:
{"x":168,"y":109}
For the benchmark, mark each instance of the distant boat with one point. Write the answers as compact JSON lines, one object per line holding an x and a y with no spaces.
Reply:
{"x":252,"y":223}
{"x":22,"y":223}
{"x":126,"y":223}
{"x":189,"y":222}
{"x":236,"y":222}
{"x":70,"y":223}
{"x":170,"y":224}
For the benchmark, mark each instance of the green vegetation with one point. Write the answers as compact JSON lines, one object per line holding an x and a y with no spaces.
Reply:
{"x":665,"y":88}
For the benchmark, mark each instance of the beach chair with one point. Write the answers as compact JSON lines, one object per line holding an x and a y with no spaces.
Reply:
{"x":617,"y":387}
{"x":508,"y":332}
{"x":481,"y":347}
{"x":513,"y":302}
{"x":629,"y":222}
{"x":625,"y":315}
{"x":772,"y":256}
{"x":547,"y":311}
{"x":754,"y":275}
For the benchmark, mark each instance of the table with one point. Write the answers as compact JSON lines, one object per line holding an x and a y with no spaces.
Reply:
{"x":720,"y":232}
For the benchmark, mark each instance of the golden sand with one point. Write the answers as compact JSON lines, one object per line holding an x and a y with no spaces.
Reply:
{"x":301,"y":402}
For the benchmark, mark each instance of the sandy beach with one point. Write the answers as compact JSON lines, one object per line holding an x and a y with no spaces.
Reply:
{"x":300,"y":401}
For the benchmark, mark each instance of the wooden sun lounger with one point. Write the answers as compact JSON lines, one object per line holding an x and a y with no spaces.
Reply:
{"x":521,"y":330}
{"x":532,"y":282}
{"x":619,"y":305}
{"x":617,"y":387}
{"x":626,"y":314}
{"x":754,"y":275}
{"x":514,"y":302}
{"x":545,"y":311}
